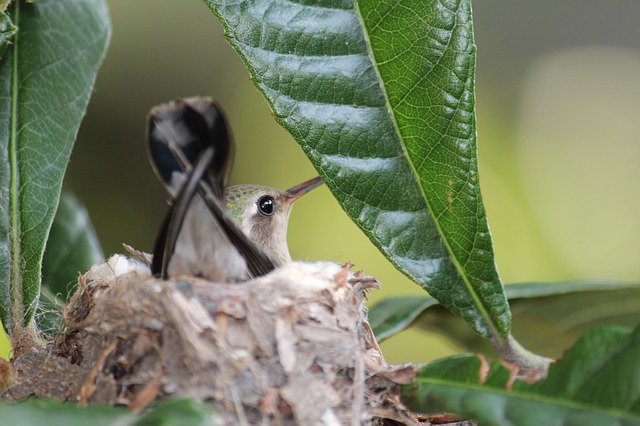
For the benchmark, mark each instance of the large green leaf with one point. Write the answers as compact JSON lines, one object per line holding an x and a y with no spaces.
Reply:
{"x":51,"y":413}
{"x":385,"y":111}
{"x":596,"y":383}
{"x":46,"y":76}
{"x":71,"y":249}
{"x":547,"y":317}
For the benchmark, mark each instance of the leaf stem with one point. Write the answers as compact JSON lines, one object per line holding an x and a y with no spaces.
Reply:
{"x":529,"y":366}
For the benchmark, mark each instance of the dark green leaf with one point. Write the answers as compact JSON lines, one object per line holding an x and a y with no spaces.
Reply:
{"x":46,"y":76}
{"x":387,"y":118}
{"x":596,"y":383}
{"x":51,"y":413}
{"x":393,"y":315}
{"x":7,"y":31}
{"x":71,"y":249}
{"x":548,"y":317}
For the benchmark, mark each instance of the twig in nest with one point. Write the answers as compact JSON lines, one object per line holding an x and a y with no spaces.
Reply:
{"x":89,"y":386}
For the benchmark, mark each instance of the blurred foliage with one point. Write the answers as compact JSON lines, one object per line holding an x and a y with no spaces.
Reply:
{"x":72,"y":247}
{"x":547,"y":317}
{"x":54,"y":413}
{"x":558,"y":141}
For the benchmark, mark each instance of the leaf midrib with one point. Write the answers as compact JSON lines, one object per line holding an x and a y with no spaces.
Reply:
{"x":16,"y":311}
{"x":493,"y":330}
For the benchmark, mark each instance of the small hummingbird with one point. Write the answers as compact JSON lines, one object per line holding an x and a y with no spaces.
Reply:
{"x":218,"y":233}
{"x":262,"y":213}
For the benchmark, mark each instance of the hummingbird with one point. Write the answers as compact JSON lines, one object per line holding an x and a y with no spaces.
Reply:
{"x":262,"y":213}
{"x":212,"y":231}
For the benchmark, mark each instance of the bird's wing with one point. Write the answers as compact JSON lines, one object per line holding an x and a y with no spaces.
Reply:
{"x":168,"y":236}
{"x":191,"y":160}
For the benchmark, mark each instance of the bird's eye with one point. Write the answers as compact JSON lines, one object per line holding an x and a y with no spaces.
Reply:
{"x":266,"y":205}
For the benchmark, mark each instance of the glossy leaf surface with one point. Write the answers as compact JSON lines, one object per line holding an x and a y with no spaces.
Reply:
{"x":46,"y":77}
{"x":384,"y":108}
{"x":547,"y":317}
{"x":596,"y":383}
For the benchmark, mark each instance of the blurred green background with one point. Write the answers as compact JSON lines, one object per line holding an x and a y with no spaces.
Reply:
{"x":559,"y":139}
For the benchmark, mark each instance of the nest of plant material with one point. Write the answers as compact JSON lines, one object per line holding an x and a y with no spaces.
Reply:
{"x":292,"y":347}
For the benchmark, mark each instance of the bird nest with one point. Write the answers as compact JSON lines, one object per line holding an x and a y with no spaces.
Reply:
{"x":291,"y":347}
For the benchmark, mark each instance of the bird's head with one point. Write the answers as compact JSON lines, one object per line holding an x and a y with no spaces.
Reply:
{"x":262,"y":213}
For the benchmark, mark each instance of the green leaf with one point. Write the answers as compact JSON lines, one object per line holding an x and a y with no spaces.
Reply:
{"x":46,"y":77}
{"x":177,"y":412}
{"x":7,"y":31}
{"x":52,"y":413}
{"x":387,"y":118}
{"x":596,"y":383}
{"x":395,"y":314}
{"x":547,"y":317}
{"x":72,"y":247}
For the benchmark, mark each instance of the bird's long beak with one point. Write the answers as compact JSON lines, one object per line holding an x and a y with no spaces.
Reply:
{"x":299,"y":190}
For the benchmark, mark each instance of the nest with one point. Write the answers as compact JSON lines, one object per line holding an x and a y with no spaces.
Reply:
{"x":291,"y":347}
